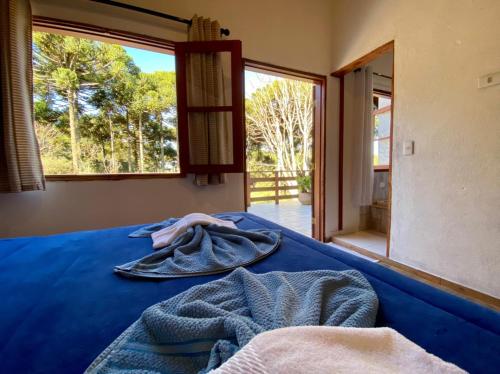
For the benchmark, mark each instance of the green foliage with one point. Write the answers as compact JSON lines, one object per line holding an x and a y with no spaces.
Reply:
{"x":65,"y":79}
{"x":376,"y":129}
{"x":279,"y":125}
{"x":260,"y":160}
{"x":96,"y":112}
{"x":304,"y":183}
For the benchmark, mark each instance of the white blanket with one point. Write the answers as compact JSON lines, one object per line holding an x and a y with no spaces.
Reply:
{"x":319,"y":349}
{"x":166,"y":236}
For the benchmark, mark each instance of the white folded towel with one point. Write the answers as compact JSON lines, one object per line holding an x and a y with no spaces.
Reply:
{"x":344,"y":350}
{"x":166,"y":236}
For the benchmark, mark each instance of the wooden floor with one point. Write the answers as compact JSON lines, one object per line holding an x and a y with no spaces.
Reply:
{"x":288,"y":213}
{"x":446,"y":285}
{"x":296,"y":216}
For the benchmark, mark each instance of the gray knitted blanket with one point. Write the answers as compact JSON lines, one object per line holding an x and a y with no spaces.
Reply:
{"x":204,"y":250}
{"x":201,"y":328}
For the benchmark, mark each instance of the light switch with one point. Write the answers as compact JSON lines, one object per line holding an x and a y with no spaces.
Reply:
{"x":408,"y":147}
{"x":488,"y":80}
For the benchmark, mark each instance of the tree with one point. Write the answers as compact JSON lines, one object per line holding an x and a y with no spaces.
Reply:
{"x":67,"y":65}
{"x":53,"y":139}
{"x":279,"y":122}
{"x":112,"y":97}
{"x":139,"y":107}
{"x":95,"y":111}
{"x":75,"y":68}
{"x":156,"y":97}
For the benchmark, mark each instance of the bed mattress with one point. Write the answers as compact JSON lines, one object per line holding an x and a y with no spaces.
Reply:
{"x":61,"y":304}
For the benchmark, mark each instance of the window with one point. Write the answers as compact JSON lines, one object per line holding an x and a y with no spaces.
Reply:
{"x":381,"y":130}
{"x":112,"y":104}
{"x":103,"y":107}
{"x":210,"y":100}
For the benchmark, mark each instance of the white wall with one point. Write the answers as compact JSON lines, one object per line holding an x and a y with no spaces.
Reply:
{"x":383,"y":64}
{"x":350,"y":211}
{"x":446,"y":197}
{"x":299,"y":39}
{"x":67,"y":206}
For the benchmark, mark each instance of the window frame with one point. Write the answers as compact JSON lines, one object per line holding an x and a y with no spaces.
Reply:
{"x":388,"y":108}
{"x":234,"y":47}
{"x":48,"y":24}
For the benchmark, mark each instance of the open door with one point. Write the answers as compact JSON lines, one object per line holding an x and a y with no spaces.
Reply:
{"x":365,"y":150}
{"x":284,"y":179}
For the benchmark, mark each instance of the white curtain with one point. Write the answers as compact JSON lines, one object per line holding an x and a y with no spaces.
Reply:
{"x":209,"y":133}
{"x":362,"y":167}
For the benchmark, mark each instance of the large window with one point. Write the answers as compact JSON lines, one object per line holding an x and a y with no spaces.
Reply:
{"x":111,"y":104}
{"x":381,"y":130}
{"x":102,"y":107}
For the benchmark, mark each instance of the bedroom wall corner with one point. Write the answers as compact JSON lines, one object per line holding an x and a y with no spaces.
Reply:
{"x":446,"y":198}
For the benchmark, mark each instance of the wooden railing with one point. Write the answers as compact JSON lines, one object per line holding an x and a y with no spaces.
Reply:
{"x":279,"y":182}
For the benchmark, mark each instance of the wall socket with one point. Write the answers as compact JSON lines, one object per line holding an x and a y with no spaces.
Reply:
{"x":408,"y":147}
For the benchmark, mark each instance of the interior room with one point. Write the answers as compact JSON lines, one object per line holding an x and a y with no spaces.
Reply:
{"x":230,"y":186}
{"x":367,"y":121}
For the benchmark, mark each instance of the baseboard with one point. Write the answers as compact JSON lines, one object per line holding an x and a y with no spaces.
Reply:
{"x":434,"y":280}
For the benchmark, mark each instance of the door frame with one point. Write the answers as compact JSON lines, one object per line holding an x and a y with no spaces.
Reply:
{"x":319,"y":119}
{"x":340,"y":73}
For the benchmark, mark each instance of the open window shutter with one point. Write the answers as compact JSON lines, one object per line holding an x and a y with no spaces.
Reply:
{"x":210,"y":106}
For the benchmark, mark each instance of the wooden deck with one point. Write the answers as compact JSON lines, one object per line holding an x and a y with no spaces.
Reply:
{"x":290,"y":213}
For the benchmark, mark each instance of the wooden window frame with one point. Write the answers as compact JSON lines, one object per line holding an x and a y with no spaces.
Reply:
{"x":48,"y":24}
{"x":382,"y":110}
{"x":385,"y":109}
{"x":382,"y":93}
{"x":236,"y":108}
{"x":380,"y":168}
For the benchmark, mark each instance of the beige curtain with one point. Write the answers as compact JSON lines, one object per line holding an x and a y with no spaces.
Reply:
{"x":209,"y":133}
{"x":20,"y":164}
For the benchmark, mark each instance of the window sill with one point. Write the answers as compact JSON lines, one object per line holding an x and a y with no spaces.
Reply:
{"x":110,"y":177}
{"x":381,"y":168}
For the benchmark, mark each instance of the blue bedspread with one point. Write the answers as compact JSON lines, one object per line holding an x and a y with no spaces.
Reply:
{"x":201,"y":328}
{"x":61,"y":304}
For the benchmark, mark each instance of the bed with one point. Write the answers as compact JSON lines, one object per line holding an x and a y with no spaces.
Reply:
{"x":61,"y":303}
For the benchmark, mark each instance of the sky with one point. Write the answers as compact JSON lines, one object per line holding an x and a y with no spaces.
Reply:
{"x":254,"y":81}
{"x":149,"y":62}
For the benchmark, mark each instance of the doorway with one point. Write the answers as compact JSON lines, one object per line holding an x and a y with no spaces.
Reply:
{"x":284,"y":181}
{"x":365,"y":146}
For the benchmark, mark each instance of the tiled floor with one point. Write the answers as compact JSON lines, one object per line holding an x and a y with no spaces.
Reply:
{"x":290,"y":213}
{"x":350,"y":251}
{"x":370,"y":240}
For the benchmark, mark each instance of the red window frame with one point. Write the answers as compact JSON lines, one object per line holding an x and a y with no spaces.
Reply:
{"x":236,"y":108}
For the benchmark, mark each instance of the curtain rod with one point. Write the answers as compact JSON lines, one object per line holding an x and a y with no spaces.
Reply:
{"x":375,"y":73}
{"x":152,"y":13}
{"x":382,"y":75}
